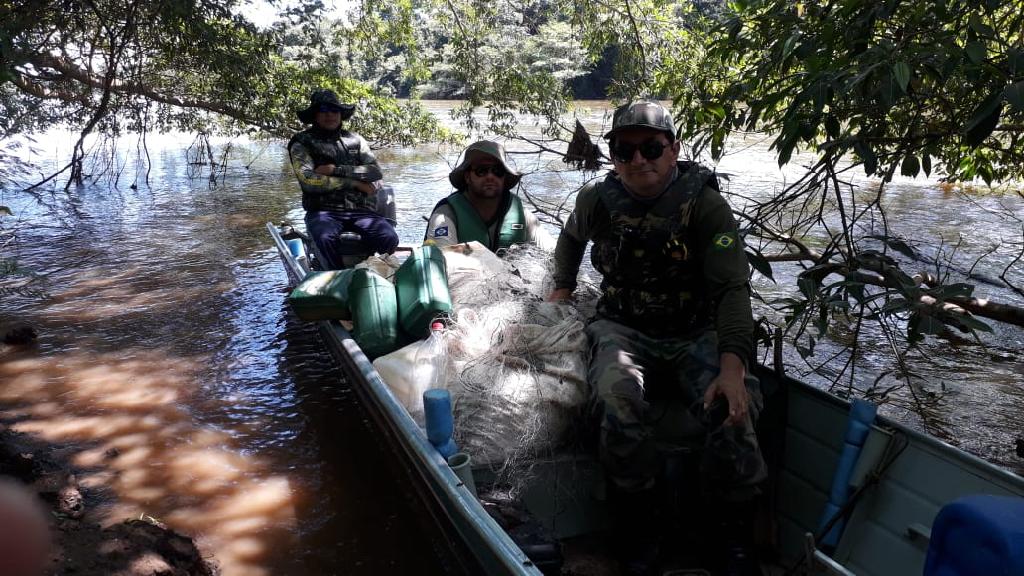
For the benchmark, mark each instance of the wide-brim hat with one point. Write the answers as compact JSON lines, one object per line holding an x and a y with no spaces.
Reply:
{"x":474,"y":152}
{"x":642,"y":114}
{"x":323,"y":100}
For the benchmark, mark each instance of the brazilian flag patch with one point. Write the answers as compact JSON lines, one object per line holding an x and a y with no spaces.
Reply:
{"x":724,"y":241}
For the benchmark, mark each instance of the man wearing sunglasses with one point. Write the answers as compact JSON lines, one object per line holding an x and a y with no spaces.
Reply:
{"x":483,"y":207}
{"x":341,"y":185}
{"x":674,"y":315}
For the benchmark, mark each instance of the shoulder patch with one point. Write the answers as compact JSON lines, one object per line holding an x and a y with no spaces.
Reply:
{"x":724,"y":240}
{"x":440,"y":231}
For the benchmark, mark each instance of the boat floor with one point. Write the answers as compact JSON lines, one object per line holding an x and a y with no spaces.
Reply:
{"x":589,"y":556}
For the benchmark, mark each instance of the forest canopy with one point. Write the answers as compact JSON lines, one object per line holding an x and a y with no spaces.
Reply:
{"x":902,"y":87}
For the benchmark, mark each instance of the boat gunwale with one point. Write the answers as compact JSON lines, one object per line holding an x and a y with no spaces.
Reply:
{"x":919,"y":439}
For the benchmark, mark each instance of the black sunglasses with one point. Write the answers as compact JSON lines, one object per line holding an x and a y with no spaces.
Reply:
{"x":650,"y":149}
{"x":481,"y":170}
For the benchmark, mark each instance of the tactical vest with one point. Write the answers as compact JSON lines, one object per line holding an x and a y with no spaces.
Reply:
{"x":652,"y":274}
{"x":469,"y":226}
{"x":342,"y":150}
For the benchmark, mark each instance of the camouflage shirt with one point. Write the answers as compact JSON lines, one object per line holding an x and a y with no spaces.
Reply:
{"x":690,"y":265}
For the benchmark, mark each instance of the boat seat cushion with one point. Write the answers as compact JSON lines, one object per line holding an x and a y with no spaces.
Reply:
{"x":978,"y":535}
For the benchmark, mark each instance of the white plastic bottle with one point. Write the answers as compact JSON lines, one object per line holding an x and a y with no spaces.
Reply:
{"x":431,"y":368}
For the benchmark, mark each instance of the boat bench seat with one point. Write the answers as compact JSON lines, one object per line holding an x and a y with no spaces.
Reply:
{"x":978,"y":536}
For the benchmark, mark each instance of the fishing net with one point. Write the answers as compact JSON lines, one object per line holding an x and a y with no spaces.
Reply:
{"x":519,"y":373}
{"x":516,"y":364}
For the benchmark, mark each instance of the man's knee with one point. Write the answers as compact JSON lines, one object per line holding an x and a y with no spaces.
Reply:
{"x":733,"y":465}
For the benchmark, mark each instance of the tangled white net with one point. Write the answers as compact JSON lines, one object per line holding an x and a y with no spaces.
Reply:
{"x":520,"y":382}
{"x":517,"y":364}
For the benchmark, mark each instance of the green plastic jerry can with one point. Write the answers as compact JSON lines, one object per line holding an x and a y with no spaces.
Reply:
{"x":422,"y":285}
{"x":374,"y":313}
{"x":322,"y":296}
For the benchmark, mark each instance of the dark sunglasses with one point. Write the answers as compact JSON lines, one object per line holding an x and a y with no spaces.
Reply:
{"x":481,"y":170}
{"x":650,"y":149}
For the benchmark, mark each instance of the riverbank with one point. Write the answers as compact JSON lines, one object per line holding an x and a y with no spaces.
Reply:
{"x":79,"y":545}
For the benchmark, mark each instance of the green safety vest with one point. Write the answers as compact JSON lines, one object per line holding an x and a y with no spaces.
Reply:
{"x":469,"y":225}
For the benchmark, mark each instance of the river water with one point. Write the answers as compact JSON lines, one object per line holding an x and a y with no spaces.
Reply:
{"x":170,"y":367}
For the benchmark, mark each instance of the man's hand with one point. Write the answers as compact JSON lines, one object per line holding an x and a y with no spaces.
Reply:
{"x":559,"y":295}
{"x":367,"y":188}
{"x":325,"y":169}
{"x":729,"y":383}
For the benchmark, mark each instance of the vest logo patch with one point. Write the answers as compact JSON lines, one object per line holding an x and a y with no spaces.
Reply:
{"x":516,"y":226}
{"x":724,"y":240}
{"x":442,"y":231}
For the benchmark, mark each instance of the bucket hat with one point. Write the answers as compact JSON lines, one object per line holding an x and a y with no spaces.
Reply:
{"x":324,"y":99}
{"x":642,"y":114}
{"x":477,"y":150}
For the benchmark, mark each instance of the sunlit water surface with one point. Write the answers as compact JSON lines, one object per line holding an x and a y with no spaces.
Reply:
{"x":169,"y":362}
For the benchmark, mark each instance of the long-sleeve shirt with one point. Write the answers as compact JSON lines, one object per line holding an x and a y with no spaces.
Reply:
{"x":353,"y":162}
{"x":721,"y":262}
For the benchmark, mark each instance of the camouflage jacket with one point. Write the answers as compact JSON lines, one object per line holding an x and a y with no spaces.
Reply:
{"x":353,"y":161}
{"x":670,"y":267}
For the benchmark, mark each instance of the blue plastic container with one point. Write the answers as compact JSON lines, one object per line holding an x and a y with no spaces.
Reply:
{"x":978,"y":536}
{"x":437,"y":413}
{"x":296,"y":247}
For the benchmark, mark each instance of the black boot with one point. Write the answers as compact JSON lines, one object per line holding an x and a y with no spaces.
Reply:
{"x":635,"y":538}
{"x":737,"y":535}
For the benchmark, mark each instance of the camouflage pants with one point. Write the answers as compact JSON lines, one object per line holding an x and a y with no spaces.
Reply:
{"x":624,"y":364}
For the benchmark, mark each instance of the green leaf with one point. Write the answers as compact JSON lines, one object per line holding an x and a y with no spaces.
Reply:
{"x":972,"y":323}
{"x":788,"y":47}
{"x":715,"y":109}
{"x":928,"y":324}
{"x":910,"y":166}
{"x":983,"y":120}
{"x":761,"y":264}
{"x":856,"y":290}
{"x":957,"y":290}
{"x":786,"y":148}
{"x":895,"y":305}
{"x":1015,"y":60}
{"x":976,"y":51}
{"x":734,"y":27}
{"x":867,"y":156}
{"x":832,"y":126}
{"x":808,"y":287}
{"x":980,"y":27}
{"x":926,"y":164}
{"x":901,"y":71}
{"x":1014,"y":94}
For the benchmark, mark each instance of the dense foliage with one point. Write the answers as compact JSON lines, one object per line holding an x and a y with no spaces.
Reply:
{"x":117,"y":66}
{"x":902,"y":86}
